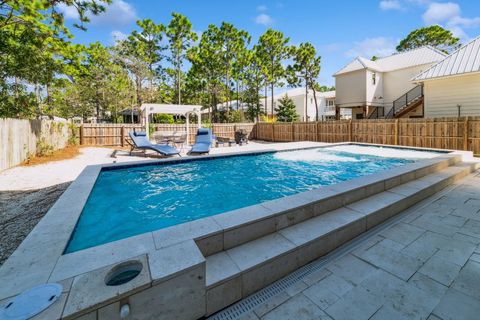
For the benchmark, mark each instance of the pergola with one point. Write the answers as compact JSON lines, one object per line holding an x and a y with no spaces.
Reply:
{"x":175,"y":109}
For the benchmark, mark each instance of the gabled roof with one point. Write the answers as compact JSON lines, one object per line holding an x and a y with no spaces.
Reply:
{"x":301,"y":92}
{"x":411,"y":58}
{"x":464,"y":60}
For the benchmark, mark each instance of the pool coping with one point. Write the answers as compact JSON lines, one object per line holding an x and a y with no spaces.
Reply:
{"x":40,"y":259}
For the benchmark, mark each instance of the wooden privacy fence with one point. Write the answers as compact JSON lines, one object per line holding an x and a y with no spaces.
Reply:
{"x":443,"y":133}
{"x":21,"y":139}
{"x":115,"y":134}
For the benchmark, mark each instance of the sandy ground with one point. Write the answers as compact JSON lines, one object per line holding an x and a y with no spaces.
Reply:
{"x":28,"y":192}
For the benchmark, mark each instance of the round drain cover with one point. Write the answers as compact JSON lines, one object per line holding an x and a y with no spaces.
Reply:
{"x":31,"y":302}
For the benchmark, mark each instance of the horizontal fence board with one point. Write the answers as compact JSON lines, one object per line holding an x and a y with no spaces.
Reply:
{"x":443,"y":133}
{"x":112,"y":135}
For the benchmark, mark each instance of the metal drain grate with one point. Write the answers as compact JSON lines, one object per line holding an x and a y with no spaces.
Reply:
{"x":256,"y":299}
{"x":248,"y":304}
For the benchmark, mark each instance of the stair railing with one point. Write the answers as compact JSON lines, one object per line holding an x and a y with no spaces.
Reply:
{"x":405,"y":100}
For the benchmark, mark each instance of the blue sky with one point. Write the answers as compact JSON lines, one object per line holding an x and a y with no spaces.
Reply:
{"x":340,"y":30}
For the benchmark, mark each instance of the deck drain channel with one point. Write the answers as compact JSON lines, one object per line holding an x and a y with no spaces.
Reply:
{"x":251,"y":302}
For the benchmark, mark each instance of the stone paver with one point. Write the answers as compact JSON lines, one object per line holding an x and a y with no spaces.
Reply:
{"x":426,"y":266}
{"x":456,"y":305}
{"x":357,"y":304}
{"x":298,"y":308}
{"x":468,"y":281}
{"x":440,"y":270}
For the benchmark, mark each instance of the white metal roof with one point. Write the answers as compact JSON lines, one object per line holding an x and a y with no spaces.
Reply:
{"x":411,"y":58}
{"x":170,"y":108}
{"x":301,"y":92}
{"x":464,"y":60}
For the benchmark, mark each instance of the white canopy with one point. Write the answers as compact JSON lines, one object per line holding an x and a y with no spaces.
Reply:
{"x":178,"y":109}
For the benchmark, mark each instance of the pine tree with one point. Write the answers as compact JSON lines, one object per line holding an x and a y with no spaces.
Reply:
{"x":286,"y":111}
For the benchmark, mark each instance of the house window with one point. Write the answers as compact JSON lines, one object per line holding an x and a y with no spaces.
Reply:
{"x":374,"y":78}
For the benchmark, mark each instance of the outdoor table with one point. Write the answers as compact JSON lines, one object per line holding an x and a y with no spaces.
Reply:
{"x":170,"y":137}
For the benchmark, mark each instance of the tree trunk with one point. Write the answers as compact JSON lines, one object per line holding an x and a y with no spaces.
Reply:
{"x":238,"y":95}
{"x":179,"y":81}
{"x":305,"y":110}
{"x":266,"y":108}
{"x":271,"y":94}
{"x":227,"y":95}
{"x":315,"y":100}
{"x":138,"y":82}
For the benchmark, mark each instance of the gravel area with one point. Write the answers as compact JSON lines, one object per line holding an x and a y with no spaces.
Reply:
{"x":21,"y":211}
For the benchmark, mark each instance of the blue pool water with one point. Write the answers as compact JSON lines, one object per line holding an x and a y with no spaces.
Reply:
{"x":130,"y":201}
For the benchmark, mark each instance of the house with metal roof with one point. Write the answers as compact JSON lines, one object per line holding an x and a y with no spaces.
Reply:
{"x":383,"y":88}
{"x":305,"y":104}
{"x":452,"y":86}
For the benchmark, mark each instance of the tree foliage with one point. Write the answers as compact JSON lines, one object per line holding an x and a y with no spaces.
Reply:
{"x":434,"y":36}
{"x":43,"y":72}
{"x":305,"y":71}
{"x":34,"y":49}
{"x":273,"y":49}
{"x":286,"y":110}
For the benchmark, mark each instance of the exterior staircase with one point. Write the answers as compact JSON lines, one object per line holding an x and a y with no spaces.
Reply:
{"x":406,"y":103}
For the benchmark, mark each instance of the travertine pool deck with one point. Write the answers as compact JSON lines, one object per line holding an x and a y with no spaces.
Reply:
{"x":179,"y":278}
{"x":426,"y":265}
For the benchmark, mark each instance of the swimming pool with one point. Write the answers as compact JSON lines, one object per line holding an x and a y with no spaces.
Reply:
{"x":129,"y":201}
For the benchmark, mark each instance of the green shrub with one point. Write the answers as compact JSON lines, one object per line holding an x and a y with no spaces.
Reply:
{"x":163,"y":118}
{"x":73,"y":134}
{"x":43,"y":148}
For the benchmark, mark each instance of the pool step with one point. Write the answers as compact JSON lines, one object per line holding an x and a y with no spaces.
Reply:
{"x":242,"y":270}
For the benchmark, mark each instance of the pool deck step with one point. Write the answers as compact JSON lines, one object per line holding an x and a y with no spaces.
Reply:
{"x":242,"y":270}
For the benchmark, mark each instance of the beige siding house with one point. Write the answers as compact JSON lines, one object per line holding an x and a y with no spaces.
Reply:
{"x":452,"y":86}
{"x":306,"y":107}
{"x":371,"y":89}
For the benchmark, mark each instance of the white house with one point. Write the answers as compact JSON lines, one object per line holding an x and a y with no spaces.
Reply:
{"x":372,"y":89}
{"x":306,"y":107}
{"x":452,"y":86}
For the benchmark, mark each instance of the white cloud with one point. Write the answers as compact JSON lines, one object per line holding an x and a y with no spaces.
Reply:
{"x":116,"y":35}
{"x":466,"y":22}
{"x":449,"y":16}
{"x":264,"y":19}
{"x":262,"y":8}
{"x":440,"y":12}
{"x":379,"y":46}
{"x":390,"y":5}
{"x":118,"y":13}
{"x":69,"y":12}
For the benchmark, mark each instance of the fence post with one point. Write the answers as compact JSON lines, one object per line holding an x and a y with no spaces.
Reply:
{"x":316,"y":131}
{"x":292,"y":127}
{"x":273,"y":132}
{"x":396,"y":132}
{"x":465,"y":134}
{"x":81,"y":135}
{"x":122,"y":133}
{"x":350,"y":128}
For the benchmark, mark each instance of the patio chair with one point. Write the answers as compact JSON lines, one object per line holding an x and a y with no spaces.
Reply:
{"x":179,"y":139}
{"x":203,"y":141}
{"x":140,"y":141}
